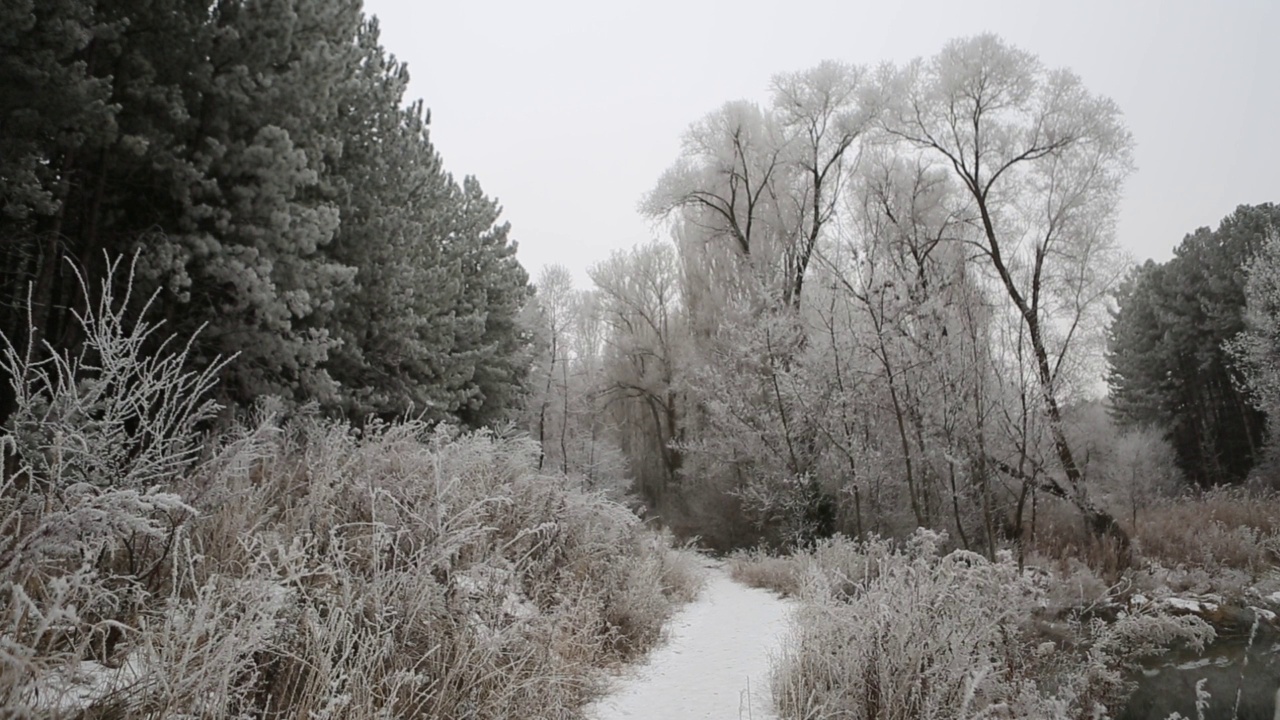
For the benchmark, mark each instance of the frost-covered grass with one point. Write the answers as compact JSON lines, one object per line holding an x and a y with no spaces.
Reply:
{"x":1219,"y":529}
{"x":839,"y":565}
{"x":761,"y":569}
{"x":1224,"y":541}
{"x":296,"y":568}
{"x":904,"y":631}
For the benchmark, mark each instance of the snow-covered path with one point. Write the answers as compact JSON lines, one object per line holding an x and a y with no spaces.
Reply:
{"x":718,"y":647}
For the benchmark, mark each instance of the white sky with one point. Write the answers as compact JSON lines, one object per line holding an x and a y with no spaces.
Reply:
{"x":568,"y":111}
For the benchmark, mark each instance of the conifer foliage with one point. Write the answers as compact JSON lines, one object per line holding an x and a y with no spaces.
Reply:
{"x":1169,"y":348}
{"x":257,"y":156}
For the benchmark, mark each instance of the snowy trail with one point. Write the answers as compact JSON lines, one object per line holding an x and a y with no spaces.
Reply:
{"x":718,"y":646}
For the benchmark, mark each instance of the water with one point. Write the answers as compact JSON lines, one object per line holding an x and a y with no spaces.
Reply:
{"x":1168,"y":683}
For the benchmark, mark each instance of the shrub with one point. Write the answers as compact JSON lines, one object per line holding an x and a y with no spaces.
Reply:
{"x":91,"y":450}
{"x":1225,"y":528}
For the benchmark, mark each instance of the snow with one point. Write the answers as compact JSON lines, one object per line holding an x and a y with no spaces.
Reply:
{"x":715,"y":663}
{"x":67,"y":690}
{"x":1220,"y":661}
{"x":1189,"y":605}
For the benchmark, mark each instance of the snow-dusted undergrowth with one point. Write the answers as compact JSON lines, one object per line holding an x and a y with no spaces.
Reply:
{"x":295,"y":569}
{"x":888,"y":632}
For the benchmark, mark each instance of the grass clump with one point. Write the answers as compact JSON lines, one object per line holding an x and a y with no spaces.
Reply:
{"x":761,"y":569}
{"x":1224,"y":541}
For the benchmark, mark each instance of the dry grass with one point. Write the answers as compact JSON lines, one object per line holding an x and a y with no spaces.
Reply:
{"x":299,"y":569}
{"x":837,"y":567}
{"x":405,"y":571}
{"x":760,"y":569}
{"x":900,"y":630}
{"x":1225,"y":528}
{"x":1232,"y":534}
{"x":1061,"y":540}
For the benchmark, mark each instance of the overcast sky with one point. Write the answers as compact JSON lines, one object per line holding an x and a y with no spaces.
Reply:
{"x":568,"y":111}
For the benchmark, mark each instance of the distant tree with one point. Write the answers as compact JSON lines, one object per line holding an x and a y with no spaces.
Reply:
{"x":764,"y":183}
{"x":639,"y":302}
{"x":594,"y":447}
{"x":1139,"y":357}
{"x":569,"y":398}
{"x":555,"y":301}
{"x":1142,"y":469}
{"x":754,"y":194}
{"x":1169,"y":364}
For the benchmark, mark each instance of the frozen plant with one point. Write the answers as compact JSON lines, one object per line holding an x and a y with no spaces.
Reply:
{"x":93,"y":440}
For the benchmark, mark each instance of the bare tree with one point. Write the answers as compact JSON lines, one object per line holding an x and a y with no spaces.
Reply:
{"x":554,"y":301}
{"x":764,"y":183}
{"x":639,"y":305}
{"x":1041,"y":161}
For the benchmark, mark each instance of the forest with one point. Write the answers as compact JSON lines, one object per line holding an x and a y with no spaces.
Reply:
{"x":288,"y":429}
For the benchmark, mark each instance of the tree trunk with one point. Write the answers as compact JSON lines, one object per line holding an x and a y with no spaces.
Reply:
{"x":1100,"y":523}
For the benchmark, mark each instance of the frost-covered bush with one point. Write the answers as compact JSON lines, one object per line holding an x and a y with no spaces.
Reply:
{"x":904,"y":632}
{"x":91,"y":450}
{"x":300,"y":567}
{"x":834,"y":568}
{"x":909,"y":634}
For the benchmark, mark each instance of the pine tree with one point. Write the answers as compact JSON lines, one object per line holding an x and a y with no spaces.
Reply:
{"x":257,"y":156}
{"x":56,"y":118}
{"x":1169,"y":364}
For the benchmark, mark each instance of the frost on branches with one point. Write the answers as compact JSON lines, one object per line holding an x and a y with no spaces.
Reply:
{"x":96,"y":439}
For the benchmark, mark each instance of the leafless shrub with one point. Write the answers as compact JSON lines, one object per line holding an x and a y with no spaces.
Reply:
{"x":94,"y":441}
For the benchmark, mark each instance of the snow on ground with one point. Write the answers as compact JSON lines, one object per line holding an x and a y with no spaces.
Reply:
{"x":718,"y":646}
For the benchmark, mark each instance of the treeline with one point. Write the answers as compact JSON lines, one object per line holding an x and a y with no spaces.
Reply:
{"x":1192,"y":343}
{"x":885,"y":306}
{"x":257,"y":159}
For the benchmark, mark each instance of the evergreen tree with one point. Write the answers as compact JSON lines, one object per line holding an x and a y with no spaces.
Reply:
{"x":257,"y":156}
{"x":56,"y":116}
{"x":489,"y":340}
{"x":243,"y":250}
{"x":1169,"y":364}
